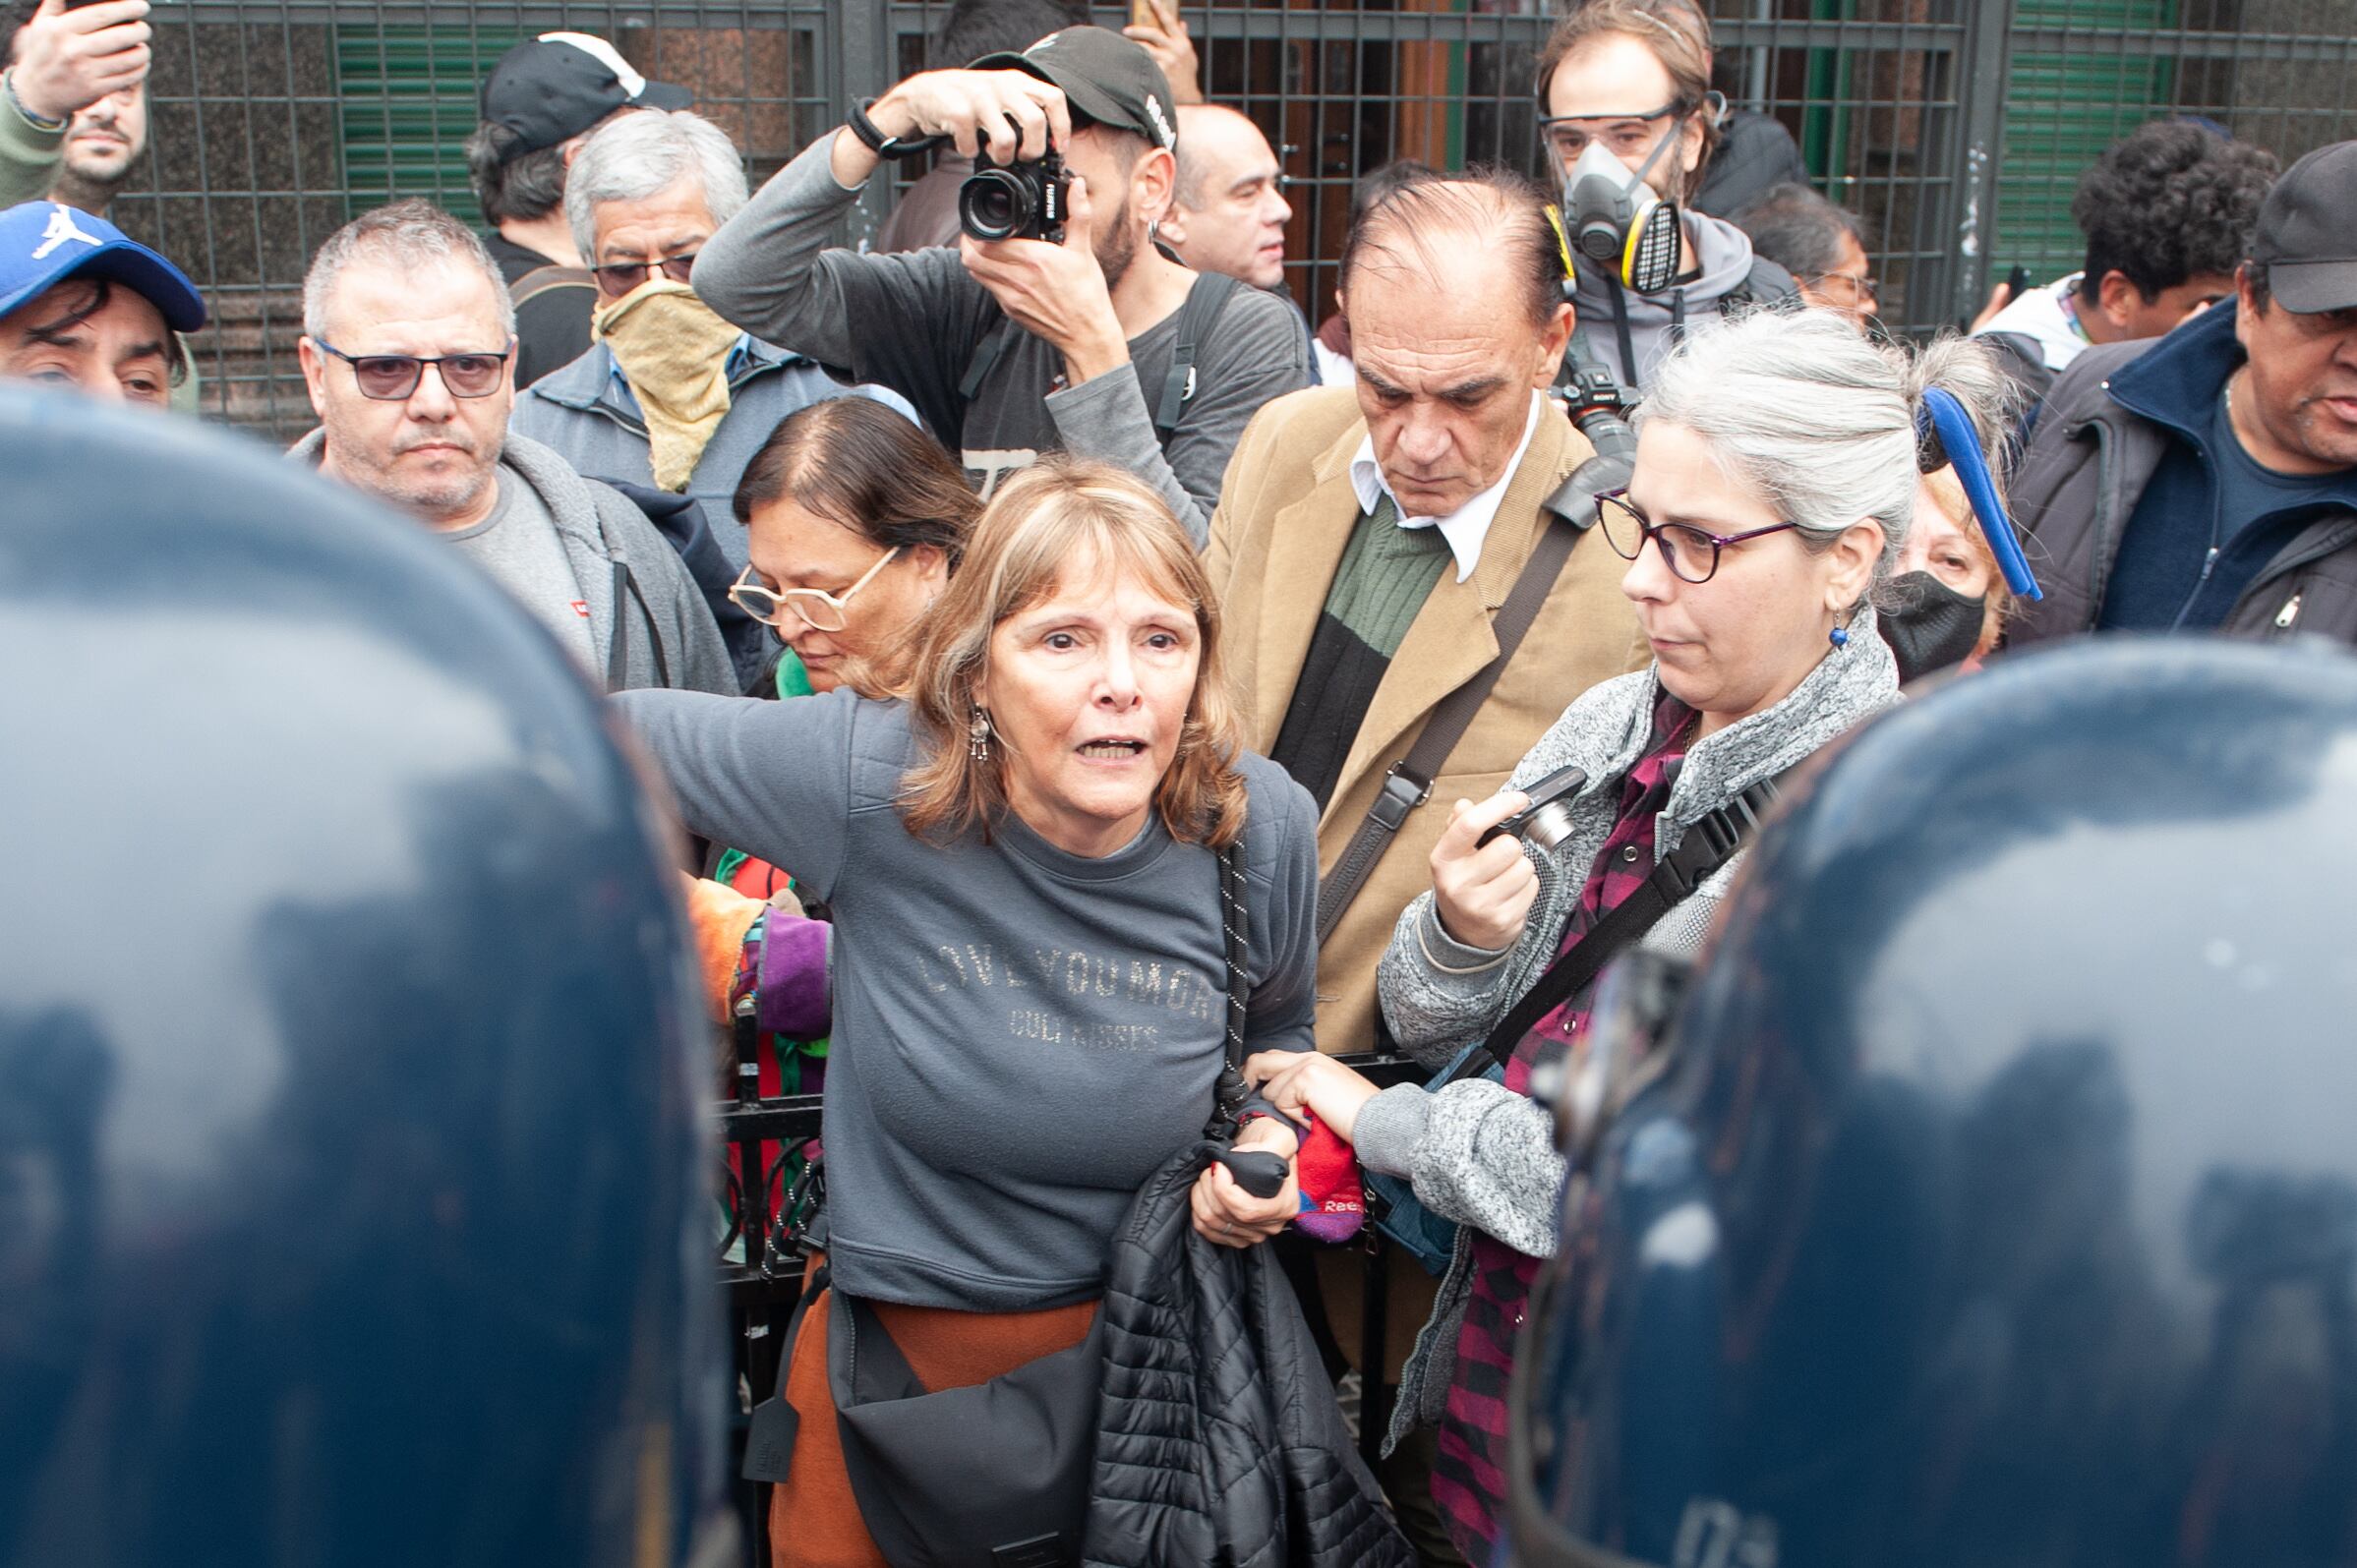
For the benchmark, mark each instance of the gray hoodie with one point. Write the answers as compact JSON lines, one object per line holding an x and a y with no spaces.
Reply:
{"x":669,"y":638}
{"x":1477,"y":1152}
{"x":1616,"y":322}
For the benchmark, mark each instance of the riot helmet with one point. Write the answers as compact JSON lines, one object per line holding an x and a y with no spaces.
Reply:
{"x":351,"y":1154}
{"x":1986,"y":1196}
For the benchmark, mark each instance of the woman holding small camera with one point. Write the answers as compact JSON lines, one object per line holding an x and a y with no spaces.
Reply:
{"x":1774,"y":483}
{"x":1030,"y":998}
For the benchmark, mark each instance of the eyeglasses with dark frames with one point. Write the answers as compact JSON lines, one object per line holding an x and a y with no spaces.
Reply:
{"x":618,"y":278}
{"x":392,"y":378}
{"x":1625,"y":135}
{"x":818,"y":609}
{"x":1692,"y":554}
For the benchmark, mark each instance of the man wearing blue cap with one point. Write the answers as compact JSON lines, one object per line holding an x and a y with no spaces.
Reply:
{"x":83,"y":305}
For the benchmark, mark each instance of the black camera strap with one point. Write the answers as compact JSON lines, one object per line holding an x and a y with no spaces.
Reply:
{"x":1409,"y":784}
{"x":1709,"y":844}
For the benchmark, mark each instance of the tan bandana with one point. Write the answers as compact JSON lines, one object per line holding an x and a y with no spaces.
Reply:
{"x":675,"y":352}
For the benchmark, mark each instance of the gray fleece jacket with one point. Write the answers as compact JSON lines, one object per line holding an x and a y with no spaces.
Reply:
{"x":1477,"y":1152}
{"x":667,"y":635}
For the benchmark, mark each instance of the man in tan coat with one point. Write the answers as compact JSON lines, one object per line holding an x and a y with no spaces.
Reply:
{"x":1365,"y":541}
{"x":1367,"y":537}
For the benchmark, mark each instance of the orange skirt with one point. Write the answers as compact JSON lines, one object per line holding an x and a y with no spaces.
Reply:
{"x":813,"y":1519}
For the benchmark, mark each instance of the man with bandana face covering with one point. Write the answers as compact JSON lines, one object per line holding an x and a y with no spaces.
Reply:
{"x":668,"y":394}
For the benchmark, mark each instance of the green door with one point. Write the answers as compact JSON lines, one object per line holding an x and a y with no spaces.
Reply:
{"x":2061,"y":111}
{"x":408,"y":100}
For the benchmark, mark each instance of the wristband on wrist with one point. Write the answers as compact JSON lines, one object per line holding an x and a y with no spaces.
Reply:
{"x":8,"y":89}
{"x":891,"y":148}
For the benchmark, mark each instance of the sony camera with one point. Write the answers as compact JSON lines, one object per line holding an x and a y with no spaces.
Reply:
{"x":1020,"y":200}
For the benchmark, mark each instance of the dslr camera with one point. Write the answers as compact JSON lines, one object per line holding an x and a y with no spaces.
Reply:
{"x":1020,"y":200}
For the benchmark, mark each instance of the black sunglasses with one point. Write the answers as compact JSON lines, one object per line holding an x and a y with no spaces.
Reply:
{"x":618,"y":278}
{"x":392,"y":377}
{"x":1692,"y":554}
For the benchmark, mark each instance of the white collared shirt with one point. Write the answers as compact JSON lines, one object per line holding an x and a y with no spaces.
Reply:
{"x":1467,"y":526}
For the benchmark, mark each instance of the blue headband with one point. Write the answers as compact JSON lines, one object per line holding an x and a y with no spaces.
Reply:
{"x":1949,"y":437}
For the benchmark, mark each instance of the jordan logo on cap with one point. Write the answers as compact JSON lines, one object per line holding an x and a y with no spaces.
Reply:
{"x":61,"y":229}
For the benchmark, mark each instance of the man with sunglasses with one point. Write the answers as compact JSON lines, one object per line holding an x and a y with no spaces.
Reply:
{"x":407,"y":351}
{"x":668,"y":394}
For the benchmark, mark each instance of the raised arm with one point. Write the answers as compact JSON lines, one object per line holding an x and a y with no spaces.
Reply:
{"x":772,"y":779}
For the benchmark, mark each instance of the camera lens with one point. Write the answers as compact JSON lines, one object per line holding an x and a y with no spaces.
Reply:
{"x":1548,"y":826}
{"x":995,"y":205}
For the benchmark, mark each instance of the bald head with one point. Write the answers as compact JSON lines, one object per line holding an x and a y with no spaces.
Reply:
{"x":1442,"y":283}
{"x":1230,"y":212}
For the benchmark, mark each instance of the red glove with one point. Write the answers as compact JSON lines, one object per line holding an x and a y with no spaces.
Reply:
{"x":1333,"y":1205}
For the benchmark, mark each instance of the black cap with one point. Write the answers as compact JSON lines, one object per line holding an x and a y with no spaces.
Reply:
{"x":552,"y":87}
{"x":2307,"y":234}
{"x":1104,"y":76}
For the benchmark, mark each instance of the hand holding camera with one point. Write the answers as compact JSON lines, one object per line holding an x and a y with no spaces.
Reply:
{"x":1053,"y":288}
{"x":1482,"y":885}
{"x":1008,"y":116}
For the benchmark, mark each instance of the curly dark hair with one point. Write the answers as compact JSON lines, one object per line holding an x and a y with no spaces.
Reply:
{"x":2170,"y":202}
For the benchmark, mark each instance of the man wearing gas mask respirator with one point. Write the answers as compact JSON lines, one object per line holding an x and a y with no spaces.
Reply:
{"x":1624,"y":114}
{"x":668,"y":394}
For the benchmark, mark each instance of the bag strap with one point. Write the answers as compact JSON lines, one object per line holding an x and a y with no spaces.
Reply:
{"x":1206,"y":297}
{"x":985,"y":358}
{"x":1228,"y":1099}
{"x":1409,"y":784}
{"x":1707,"y":845}
{"x":533,"y":284}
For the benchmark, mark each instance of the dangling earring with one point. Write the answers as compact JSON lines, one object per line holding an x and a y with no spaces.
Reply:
{"x":978,"y":735}
{"x":1838,"y":637}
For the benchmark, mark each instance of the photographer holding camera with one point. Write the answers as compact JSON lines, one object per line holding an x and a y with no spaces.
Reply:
{"x":1057,"y":323}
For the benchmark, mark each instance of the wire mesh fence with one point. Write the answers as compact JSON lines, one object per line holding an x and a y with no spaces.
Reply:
{"x":1956,"y":129}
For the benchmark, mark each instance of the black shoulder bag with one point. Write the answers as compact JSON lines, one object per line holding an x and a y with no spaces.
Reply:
{"x":992,"y":1476}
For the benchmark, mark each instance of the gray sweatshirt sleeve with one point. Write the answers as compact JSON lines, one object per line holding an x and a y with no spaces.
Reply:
{"x":908,"y":322}
{"x":1476,"y":1152}
{"x":1253,"y":355}
{"x":772,"y":779}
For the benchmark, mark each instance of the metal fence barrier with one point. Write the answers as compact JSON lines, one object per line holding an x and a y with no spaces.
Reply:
{"x":1954,"y":128}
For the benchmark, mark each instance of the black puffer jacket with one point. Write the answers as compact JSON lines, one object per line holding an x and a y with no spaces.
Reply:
{"x":1218,"y":1438}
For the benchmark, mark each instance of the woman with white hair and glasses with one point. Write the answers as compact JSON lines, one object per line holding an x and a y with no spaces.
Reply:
{"x":668,"y":394}
{"x":1775,"y":478}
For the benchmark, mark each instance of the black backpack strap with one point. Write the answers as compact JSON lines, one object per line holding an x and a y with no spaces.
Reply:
{"x":1707,"y":845}
{"x":1409,"y":784}
{"x":1206,"y":299}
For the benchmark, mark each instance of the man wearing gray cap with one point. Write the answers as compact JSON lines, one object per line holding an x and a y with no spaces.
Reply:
{"x":1069,"y":328}
{"x":2207,"y":480}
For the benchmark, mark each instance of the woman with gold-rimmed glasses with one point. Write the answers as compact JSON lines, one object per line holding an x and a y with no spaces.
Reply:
{"x":854,"y":519}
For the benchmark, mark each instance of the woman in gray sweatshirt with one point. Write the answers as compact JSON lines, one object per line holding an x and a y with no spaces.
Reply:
{"x":1029,"y":974}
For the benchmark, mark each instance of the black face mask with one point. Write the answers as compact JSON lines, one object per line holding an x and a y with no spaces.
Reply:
{"x":1932,"y":626}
